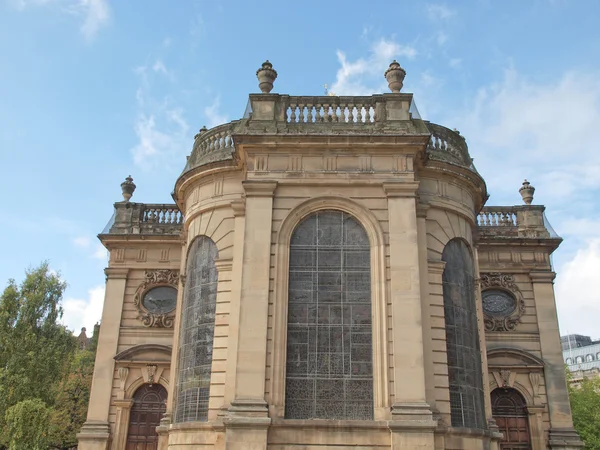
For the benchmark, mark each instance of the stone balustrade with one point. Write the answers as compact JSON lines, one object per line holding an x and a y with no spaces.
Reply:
{"x":448,"y":145}
{"x":160,"y":214}
{"x":145,"y":218}
{"x":497,"y":216}
{"x":329,"y":109}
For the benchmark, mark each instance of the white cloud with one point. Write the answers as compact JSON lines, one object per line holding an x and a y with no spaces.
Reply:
{"x":546,"y":132}
{"x":441,"y":38}
{"x":159,"y":67}
{"x":437,"y":12}
{"x":80,"y":313}
{"x":364,"y":75}
{"x":542,"y":132}
{"x":455,"y":63}
{"x":100,"y":253}
{"x":82,"y":241}
{"x":95,"y":14}
{"x":213,"y":116}
{"x":578,"y":292}
{"x":160,"y":126}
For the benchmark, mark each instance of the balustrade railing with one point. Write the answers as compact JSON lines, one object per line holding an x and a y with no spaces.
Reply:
{"x":329,"y":109}
{"x":497,"y":216}
{"x":161,"y":214}
{"x":448,"y":142}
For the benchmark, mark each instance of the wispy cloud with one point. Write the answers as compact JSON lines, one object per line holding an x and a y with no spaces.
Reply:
{"x":364,"y":75}
{"x":160,"y":125}
{"x":84,"y":312}
{"x":94,"y":14}
{"x":213,"y":116}
{"x":517,"y":128}
{"x":439,"y":12}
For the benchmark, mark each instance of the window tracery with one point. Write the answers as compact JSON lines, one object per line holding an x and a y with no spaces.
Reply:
{"x":197,"y":332}
{"x":329,"y":369}
{"x":502,"y":301}
{"x":462,"y":337}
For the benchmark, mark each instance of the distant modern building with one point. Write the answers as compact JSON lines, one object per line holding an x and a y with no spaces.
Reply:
{"x":329,"y":277}
{"x":582,"y":356}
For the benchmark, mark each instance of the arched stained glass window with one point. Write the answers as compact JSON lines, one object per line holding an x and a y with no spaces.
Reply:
{"x":462,"y":337}
{"x":329,"y":369}
{"x":197,"y":332}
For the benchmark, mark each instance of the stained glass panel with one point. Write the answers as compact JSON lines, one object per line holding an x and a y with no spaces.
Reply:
{"x":329,"y":373}
{"x":197,"y":332}
{"x":462,"y":338}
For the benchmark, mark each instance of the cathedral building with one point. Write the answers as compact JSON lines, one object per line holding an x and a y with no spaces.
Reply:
{"x":329,"y":277}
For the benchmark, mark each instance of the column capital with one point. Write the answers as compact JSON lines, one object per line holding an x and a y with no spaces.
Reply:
{"x":542,"y":276}
{"x":116,"y":273}
{"x":422,"y":209}
{"x":239,"y":207}
{"x":259,"y":188}
{"x":125,"y":404}
{"x":400,"y":189}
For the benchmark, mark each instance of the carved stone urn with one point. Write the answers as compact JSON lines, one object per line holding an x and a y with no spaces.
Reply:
{"x":266,"y":76}
{"x":128,"y":188}
{"x":526,"y":192}
{"x":395,"y":76}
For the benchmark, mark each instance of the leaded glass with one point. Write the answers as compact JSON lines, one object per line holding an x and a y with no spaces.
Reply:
{"x":329,"y":371}
{"x":160,"y":300}
{"x":498,"y":303}
{"x":197,"y":332}
{"x":462,"y":338}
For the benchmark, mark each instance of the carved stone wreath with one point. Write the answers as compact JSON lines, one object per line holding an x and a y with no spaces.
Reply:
{"x":503,"y":282}
{"x":154,"y":279}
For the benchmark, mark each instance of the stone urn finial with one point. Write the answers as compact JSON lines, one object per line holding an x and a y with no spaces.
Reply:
{"x":526,"y":192}
{"x":266,"y":76}
{"x":200,"y":132}
{"x":128,"y":188}
{"x":395,"y":76}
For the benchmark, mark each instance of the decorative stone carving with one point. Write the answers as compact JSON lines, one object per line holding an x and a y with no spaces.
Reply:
{"x":151,"y":373}
{"x":128,"y":188}
{"x":526,"y":192}
{"x":395,"y":76}
{"x":153,"y":312}
{"x":266,"y":76}
{"x":534,"y":378}
{"x":503,"y":305}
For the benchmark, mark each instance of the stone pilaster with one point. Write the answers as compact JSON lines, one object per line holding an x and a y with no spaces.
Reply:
{"x":412,"y":424}
{"x":247,"y":423}
{"x":174,"y":369}
{"x":561,"y":434}
{"x":119,"y":440}
{"x":239,"y":211}
{"x":95,"y":433}
{"x":536,"y":427}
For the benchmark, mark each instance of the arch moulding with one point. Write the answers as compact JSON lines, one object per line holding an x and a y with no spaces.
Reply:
{"x":378,"y":297}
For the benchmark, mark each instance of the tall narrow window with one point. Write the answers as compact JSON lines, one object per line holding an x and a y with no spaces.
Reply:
{"x":329,"y":371}
{"x":197,"y":332}
{"x":462,"y":337}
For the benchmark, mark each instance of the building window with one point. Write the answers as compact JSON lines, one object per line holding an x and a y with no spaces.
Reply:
{"x":329,"y":368}
{"x":462,"y":337}
{"x":568,"y":361}
{"x":197,"y":332}
{"x":597,"y":355}
{"x":589,"y":358}
{"x":579,"y":359}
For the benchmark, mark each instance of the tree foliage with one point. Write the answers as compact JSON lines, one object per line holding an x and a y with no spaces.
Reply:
{"x":27,"y":425}
{"x":585,"y":406}
{"x":36,"y":351}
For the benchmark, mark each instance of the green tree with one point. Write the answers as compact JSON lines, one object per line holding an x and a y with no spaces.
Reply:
{"x":585,"y":405}
{"x":73,"y":396}
{"x":27,"y":425}
{"x":35,"y":350}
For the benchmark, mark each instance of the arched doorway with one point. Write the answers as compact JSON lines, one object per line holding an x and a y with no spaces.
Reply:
{"x":509,"y":411}
{"x":149,"y":404}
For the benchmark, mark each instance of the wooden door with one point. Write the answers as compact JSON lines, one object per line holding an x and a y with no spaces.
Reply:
{"x":149,"y":404}
{"x":510,"y":413}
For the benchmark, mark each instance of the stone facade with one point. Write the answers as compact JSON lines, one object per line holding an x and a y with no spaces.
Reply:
{"x":411,"y":189}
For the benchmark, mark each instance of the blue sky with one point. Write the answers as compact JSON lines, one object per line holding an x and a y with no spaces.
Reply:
{"x":94,"y":90}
